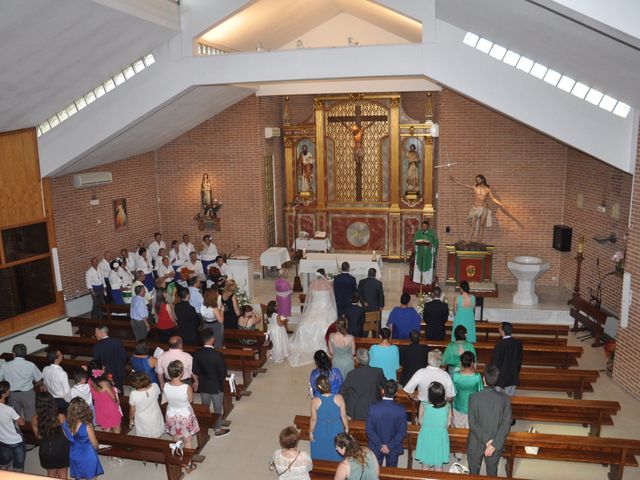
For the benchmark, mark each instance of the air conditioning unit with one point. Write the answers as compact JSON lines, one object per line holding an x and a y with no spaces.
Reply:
{"x":92,"y":179}
{"x":271,"y":132}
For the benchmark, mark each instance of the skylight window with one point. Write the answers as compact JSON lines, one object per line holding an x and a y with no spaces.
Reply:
{"x":116,"y":80}
{"x":548,"y":75}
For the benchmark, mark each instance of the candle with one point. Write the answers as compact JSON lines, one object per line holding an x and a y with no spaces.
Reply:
{"x":304,"y":252}
{"x":373,"y":254}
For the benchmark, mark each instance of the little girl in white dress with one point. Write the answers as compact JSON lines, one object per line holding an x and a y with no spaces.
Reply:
{"x":277,"y":333}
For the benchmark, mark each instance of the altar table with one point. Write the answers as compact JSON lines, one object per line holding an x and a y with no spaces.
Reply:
{"x":312,"y":244}
{"x":274,"y":257}
{"x":331,"y":262}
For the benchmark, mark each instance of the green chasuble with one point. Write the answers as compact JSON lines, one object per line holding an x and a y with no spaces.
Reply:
{"x":424,"y":255}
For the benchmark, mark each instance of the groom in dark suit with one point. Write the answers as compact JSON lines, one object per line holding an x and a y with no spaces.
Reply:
{"x":371,"y":292}
{"x":435,"y":315}
{"x":489,"y":424}
{"x":387,"y":426}
{"x":344,"y":285}
{"x":112,"y":354}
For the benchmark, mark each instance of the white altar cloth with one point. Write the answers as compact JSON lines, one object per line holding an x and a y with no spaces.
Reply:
{"x":274,"y":257}
{"x":312,"y":244}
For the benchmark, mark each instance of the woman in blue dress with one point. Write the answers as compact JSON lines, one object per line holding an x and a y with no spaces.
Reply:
{"x":432,"y":449}
{"x":78,"y":428}
{"x":328,"y":418}
{"x":385,"y":356}
{"x":141,"y":361}
{"x":326,"y":369}
{"x":465,"y":312}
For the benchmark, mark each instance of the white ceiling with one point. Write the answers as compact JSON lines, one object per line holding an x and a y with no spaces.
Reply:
{"x":161,"y":126}
{"x":276,"y":23}
{"x":60,"y":49}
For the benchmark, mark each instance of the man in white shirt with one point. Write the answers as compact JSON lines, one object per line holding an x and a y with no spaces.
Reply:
{"x":104,"y":267}
{"x":195,"y":266}
{"x":12,"y":447}
{"x":148,"y":297}
{"x":174,"y":256}
{"x":96,"y":285}
{"x":115,"y":280}
{"x":432,"y":373}
{"x":186,"y":247}
{"x":208,"y":254}
{"x":166,"y":273}
{"x":196,"y":299}
{"x":56,"y":380}
{"x":155,"y":246}
{"x":143,"y":264}
{"x":131,"y":258}
{"x":21,"y":374}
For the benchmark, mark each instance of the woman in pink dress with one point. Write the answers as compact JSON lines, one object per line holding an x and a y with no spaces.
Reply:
{"x":283,"y":293}
{"x":105,"y":399}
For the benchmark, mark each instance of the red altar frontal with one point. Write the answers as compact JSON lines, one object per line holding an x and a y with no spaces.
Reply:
{"x":361,"y":171}
{"x":469,"y":265}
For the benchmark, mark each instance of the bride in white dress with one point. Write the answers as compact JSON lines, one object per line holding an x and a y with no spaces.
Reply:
{"x":318,"y":314}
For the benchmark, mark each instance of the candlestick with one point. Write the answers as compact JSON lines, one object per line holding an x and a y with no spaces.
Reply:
{"x":581,"y":245}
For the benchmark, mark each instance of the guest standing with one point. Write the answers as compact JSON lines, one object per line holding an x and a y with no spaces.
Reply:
{"x":432,"y":448}
{"x":413,"y":357}
{"x":56,"y":380}
{"x":144,"y":411}
{"x":96,"y":284}
{"x":507,"y":356}
{"x":105,"y":399}
{"x":47,"y":427}
{"x":231,"y":307}
{"x":465,"y":312}
{"x":116,"y":283}
{"x":359,"y":462}
{"x":175,"y":352}
{"x":362,"y":386}
{"x":195,"y":296}
{"x":110,"y":352}
{"x":489,"y":424}
{"x":328,"y":418}
{"x":290,"y":463}
{"x":12,"y":447}
{"x":432,"y":373}
{"x":284,"y":292}
{"x":371,"y":292}
{"x":342,"y":348}
{"x":248,"y":322}
{"x":344,"y":285}
{"x":404,"y":318}
{"x":165,"y":316}
{"x":143,"y":264}
{"x":81,"y":388}
{"x":212,"y":316}
{"x":385,"y":356}
{"x":466,"y":382}
{"x":142,"y":362}
{"x":451,"y":355}
{"x":208,"y":253}
{"x":435,"y":315}
{"x":387,"y":426}
{"x":354,"y":314}
{"x":325,"y":368}
{"x":21,"y":374}
{"x":83,"y":444}
{"x":139,"y":314}
{"x":277,"y":333}
{"x":209,"y":366}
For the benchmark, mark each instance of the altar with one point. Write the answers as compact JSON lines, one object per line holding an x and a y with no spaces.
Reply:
{"x":331,"y":262}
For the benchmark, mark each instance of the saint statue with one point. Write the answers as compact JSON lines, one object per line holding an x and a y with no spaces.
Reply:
{"x":480,"y":214}
{"x":425,"y":243}
{"x":206,"y":195}
{"x":413,"y":171}
{"x":305,"y":162}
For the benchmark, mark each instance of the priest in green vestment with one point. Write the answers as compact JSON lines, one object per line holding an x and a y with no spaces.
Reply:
{"x":425,"y":254}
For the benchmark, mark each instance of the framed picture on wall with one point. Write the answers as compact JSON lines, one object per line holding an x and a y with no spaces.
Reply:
{"x":120,"y":216}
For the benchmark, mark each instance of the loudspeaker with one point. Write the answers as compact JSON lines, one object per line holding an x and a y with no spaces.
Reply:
{"x":562,"y":238}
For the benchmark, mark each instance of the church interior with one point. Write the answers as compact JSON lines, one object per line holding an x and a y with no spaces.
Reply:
{"x":276,"y":126}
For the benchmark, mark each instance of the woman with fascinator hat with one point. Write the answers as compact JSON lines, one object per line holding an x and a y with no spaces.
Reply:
{"x":318,"y":313}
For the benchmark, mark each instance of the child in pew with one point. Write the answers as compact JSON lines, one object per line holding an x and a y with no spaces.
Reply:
{"x":105,"y":398}
{"x":277,"y":333}
{"x":181,"y":422}
{"x":81,"y":389}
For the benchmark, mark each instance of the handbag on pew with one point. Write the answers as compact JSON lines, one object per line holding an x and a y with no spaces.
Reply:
{"x":458,"y":468}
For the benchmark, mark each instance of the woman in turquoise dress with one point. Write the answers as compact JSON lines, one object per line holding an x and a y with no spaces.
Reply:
{"x":83,"y":443}
{"x":385,"y":356}
{"x":342,"y":348}
{"x":328,"y":418}
{"x":466,"y":381}
{"x":432,"y":449}
{"x":359,"y":463}
{"x":465,"y":312}
{"x":451,"y":355}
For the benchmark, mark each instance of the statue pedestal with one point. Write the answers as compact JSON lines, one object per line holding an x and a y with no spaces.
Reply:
{"x":469,"y":265}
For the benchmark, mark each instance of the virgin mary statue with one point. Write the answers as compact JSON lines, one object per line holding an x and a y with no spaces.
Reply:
{"x":318,"y":314}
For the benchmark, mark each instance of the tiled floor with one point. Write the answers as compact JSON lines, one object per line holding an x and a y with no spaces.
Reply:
{"x":281,"y":393}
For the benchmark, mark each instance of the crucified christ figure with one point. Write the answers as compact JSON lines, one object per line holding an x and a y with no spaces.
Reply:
{"x":480,"y":214}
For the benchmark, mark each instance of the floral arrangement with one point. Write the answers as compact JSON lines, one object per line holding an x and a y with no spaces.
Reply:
{"x":618,"y":259}
{"x":242,"y":296}
{"x":425,"y":298}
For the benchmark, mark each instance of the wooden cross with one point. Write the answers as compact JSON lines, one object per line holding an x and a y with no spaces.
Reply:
{"x":357,"y":134}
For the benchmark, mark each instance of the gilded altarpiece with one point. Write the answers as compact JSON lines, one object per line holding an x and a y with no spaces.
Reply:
{"x":362,"y":172}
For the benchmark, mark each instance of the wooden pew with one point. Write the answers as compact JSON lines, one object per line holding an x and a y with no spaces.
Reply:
{"x":242,"y":360}
{"x":71,"y":365}
{"x":594,"y":413}
{"x":488,"y":331}
{"x":617,"y":453}
{"x":151,"y":450}
{"x":322,"y":469}
{"x":121,"y":328}
{"x":558,"y":356}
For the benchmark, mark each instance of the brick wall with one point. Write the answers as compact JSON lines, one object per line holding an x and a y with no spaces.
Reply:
{"x":84,"y":231}
{"x":627,"y":361}
{"x":599,"y":184}
{"x":525,"y":169}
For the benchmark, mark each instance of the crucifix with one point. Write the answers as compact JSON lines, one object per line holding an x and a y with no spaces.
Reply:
{"x":357,"y":136}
